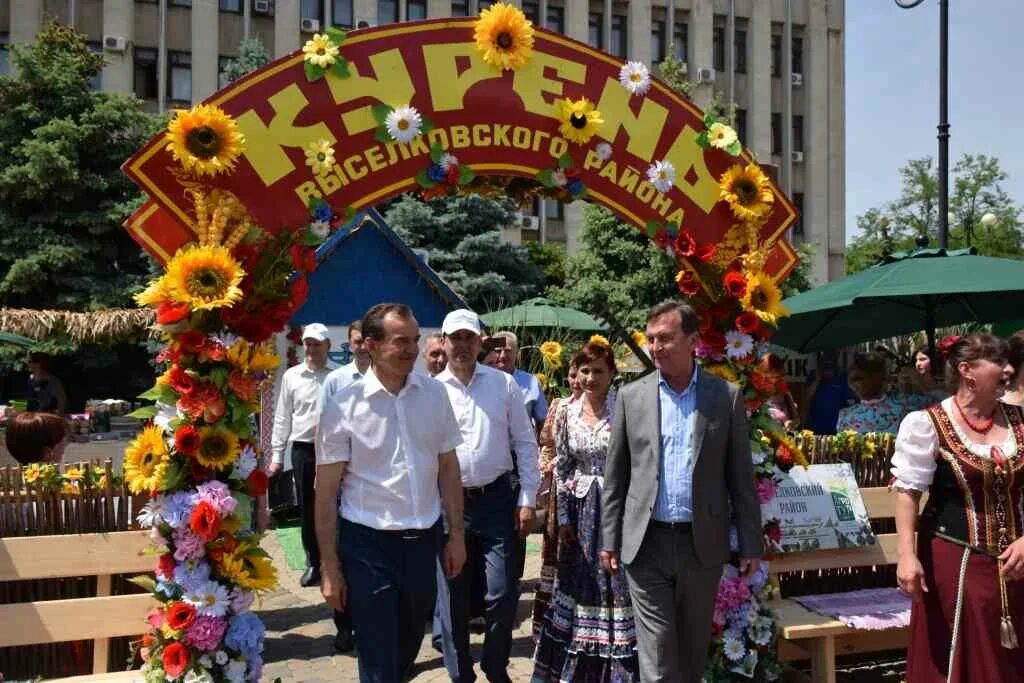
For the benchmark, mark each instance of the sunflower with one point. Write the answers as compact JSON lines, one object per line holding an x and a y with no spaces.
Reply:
{"x":154,"y":294}
{"x":145,"y":461}
{"x":598,"y":339}
{"x":504,"y":36}
{"x":543,"y":379}
{"x":579,"y":120}
{"x":639,"y":338}
{"x":763,"y":298}
{"x":249,"y":569}
{"x":204,"y":277}
{"x":748,"y":191}
{"x":218,"y":448}
{"x":204,"y":140}
{"x":32,"y":473}
{"x":320,"y":51}
{"x":552,"y":353}
{"x":320,"y":156}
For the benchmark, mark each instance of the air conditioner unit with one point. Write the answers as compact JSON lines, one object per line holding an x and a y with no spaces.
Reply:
{"x":531,"y":223}
{"x":115,"y":43}
{"x":798,"y":80}
{"x":310,"y":25}
{"x":262,"y":6}
{"x":705,"y":74}
{"x":798,"y":157}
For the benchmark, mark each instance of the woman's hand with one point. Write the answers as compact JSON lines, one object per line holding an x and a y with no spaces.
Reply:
{"x":566,"y":534}
{"x":910,"y":576}
{"x":1013,"y":561}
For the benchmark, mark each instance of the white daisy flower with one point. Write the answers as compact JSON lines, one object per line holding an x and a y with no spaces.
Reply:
{"x":635,"y":77}
{"x":603,"y":151}
{"x":738,"y":344}
{"x":721,"y":136}
{"x":210,"y":598}
{"x":662,"y":174}
{"x":447,"y":161}
{"x":404,"y":123}
{"x":150,"y":515}
{"x":733,"y":649}
{"x":559,"y":178}
{"x":321,"y":229}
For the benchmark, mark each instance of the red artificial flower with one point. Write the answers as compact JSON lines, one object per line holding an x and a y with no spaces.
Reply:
{"x":170,"y":312}
{"x":452,"y":177}
{"x":247,"y":255}
{"x":198,"y":472}
{"x":303,"y":258}
{"x":175,"y":659}
{"x":736,"y":286}
{"x":180,"y":615}
{"x":190,"y":341}
{"x":784,"y":457}
{"x":781,"y":387}
{"x":165,"y":565}
{"x":212,"y":350}
{"x":257,"y":483}
{"x":186,"y":440}
{"x":182,"y":382}
{"x":204,"y":402}
{"x":715,"y":340}
{"x":244,"y":385}
{"x":706,"y":252}
{"x":298,"y":290}
{"x":747,"y":322}
{"x":205,"y":521}
{"x":753,"y":404}
{"x":946,"y":343}
{"x":662,"y":238}
{"x":688,"y":284}
{"x":685,"y":246}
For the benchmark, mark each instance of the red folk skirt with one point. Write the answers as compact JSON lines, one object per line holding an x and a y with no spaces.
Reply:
{"x":978,"y":656}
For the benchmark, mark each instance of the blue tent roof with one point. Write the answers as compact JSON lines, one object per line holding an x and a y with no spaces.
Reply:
{"x":365,"y":263}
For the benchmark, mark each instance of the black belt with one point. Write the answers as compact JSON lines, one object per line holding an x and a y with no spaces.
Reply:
{"x":672,"y":526}
{"x":502,"y":480}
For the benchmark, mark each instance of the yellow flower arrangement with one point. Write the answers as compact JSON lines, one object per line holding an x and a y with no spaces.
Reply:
{"x":599,"y":339}
{"x":764,"y":298}
{"x":204,"y":277}
{"x":320,"y":156}
{"x":320,"y":51}
{"x":145,"y":461}
{"x":248,"y":567}
{"x":578,"y":121}
{"x":204,"y":140}
{"x":252,"y":357}
{"x":748,"y":192}
{"x":218,"y":448}
{"x":552,"y":353}
{"x":504,"y":36}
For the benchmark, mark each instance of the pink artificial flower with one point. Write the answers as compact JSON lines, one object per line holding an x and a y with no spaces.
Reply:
{"x":206,"y":633}
{"x":217,"y":494}
{"x":187,"y":545}
{"x":765,"y":489}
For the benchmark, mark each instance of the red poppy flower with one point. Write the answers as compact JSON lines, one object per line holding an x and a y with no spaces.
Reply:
{"x":165,"y":565}
{"x":706,"y":252}
{"x":257,"y":483}
{"x":205,"y":522}
{"x":190,"y":341}
{"x":298,"y":291}
{"x":180,"y":615}
{"x":747,"y":322}
{"x":685,"y":245}
{"x":182,"y":382}
{"x":170,"y":312}
{"x":784,"y":457}
{"x":662,"y":238}
{"x":186,"y":440}
{"x":175,"y":659}
{"x":688,"y":284}
{"x":735,"y":285}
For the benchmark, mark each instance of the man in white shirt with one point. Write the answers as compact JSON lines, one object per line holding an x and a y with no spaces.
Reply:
{"x":295,"y":421}
{"x":433,"y":354}
{"x":493,"y":421}
{"x":346,"y":374}
{"x":387,"y":442}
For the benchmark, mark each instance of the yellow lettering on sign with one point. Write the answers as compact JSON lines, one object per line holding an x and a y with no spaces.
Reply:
{"x":608,"y":172}
{"x":350,"y":167}
{"x":676,"y":217}
{"x":264,"y":144}
{"x":392,"y":86}
{"x":643,"y":129}
{"x":330,"y":183}
{"x":521,"y":137}
{"x":375,"y":157}
{"x":538,"y":139}
{"x":645,"y":192}
{"x":307,"y":191}
{"x":530,"y":83}
{"x":662,"y":204}
{"x":629,"y":179}
{"x":482,"y":135}
{"x":501,"y":135}
{"x":460,"y":136}
{"x":558,"y":147}
{"x":438,"y":136}
{"x":591,"y":161}
{"x":447,"y":86}
{"x":685,"y":155}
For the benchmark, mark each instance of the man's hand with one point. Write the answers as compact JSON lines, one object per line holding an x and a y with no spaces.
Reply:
{"x":748,"y":566}
{"x":525,"y":521}
{"x":333,"y":588}
{"x":273,"y":469}
{"x":610,"y":561}
{"x":454,"y":554}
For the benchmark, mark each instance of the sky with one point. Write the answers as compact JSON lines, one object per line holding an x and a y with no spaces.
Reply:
{"x":892,"y":92}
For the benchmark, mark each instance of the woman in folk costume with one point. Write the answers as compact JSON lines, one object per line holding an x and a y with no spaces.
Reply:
{"x":967,"y":452}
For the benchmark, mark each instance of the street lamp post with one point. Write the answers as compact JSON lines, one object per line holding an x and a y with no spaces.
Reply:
{"x":943,"y":114}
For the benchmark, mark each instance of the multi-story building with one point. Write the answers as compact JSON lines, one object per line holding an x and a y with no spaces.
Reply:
{"x":780,"y":63}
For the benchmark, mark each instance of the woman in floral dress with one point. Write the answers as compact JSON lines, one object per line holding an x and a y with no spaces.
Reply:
{"x":877,"y":411}
{"x":588,"y":634}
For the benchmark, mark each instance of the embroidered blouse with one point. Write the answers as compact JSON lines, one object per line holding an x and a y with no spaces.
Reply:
{"x":881,"y":414}
{"x":581,"y":450}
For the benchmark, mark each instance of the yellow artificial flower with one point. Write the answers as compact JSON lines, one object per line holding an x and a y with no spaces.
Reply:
{"x":723,"y":371}
{"x":320,"y":51}
{"x":154,"y":294}
{"x":552,"y":353}
{"x":32,"y":473}
{"x":74,"y":474}
{"x":721,"y":136}
{"x":204,"y":140}
{"x":579,"y":120}
{"x":599,"y":339}
{"x":748,"y":192}
{"x":218,"y":448}
{"x":764,"y":298}
{"x":320,"y":156}
{"x":204,"y":277}
{"x":542,"y":378}
{"x":248,"y":569}
{"x":504,"y":36}
{"x":262,"y":358}
{"x":70,"y":488}
{"x":145,"y":461}
{"x":639,"y":338}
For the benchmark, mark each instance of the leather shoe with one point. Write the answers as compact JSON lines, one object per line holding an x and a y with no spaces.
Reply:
{"x":311,"y":577}
{"x":343,"y":642}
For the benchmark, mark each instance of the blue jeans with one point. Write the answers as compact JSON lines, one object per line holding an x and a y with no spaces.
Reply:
{"x":490,"y":534}
{"x":391,"y":592}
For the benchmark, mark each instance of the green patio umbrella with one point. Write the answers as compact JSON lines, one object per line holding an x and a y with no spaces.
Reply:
{"x":541,"y":312}
{"x":921,"y":290}
{"x":16,"y":339}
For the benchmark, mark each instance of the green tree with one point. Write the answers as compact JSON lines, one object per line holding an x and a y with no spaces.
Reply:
{"x":976,"y":189}
{"x":800,"y":279}
{"x":550,"y":258}
{"x":252,"y":55}
{"x":616,"y":263}
{"x":462,"y":237}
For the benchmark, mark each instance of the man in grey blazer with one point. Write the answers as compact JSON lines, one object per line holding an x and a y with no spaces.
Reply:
{"x":678,"y":474}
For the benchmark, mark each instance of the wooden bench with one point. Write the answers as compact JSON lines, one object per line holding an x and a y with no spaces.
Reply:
{"x":97,"y":618}
{"x":804,"y":634}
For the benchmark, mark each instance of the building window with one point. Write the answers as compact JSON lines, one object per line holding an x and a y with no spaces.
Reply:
{"x":145,"y":77}
{"x":776,"y":56}
{"x":718,"y":48}
{"x":416,"y":10}
{"x":619,"y":40}
{"x":680,"y":40}
{"x":484,"y":4}
{"x":798,"y":224}
{"x":741,"y":125}
{"x":798,"y":55}
{"x":798,"y":133}
{"x":595,"y":35}
{"x":179,"y":76}
{"x":342,"y":13}
{"x":387,"y":11}
{"x":180,"y":3}
{"x":460,"y":9}
{"x":657,"y":42}
{"x":96,"y":82}
{"x":311,"y":9}
{"x":231,"y":6}
{"x":554,"y":210}
{"x":532,"y":12}
{"x":556,"y":19}
{"x":740,"y":45}
{"x":776,"y":133}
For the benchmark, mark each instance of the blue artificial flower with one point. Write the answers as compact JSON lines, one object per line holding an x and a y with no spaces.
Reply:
{"x":191,"y":575}
{"x":436,"y":173}
{"x":574,"y":186}
{"x":177,"y":509}
{"x":323,"y":212}
{"x":167,"y":588}
{"x":245,"y":634}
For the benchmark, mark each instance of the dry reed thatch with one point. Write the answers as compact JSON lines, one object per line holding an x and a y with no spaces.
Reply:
{"x":81,"y":327}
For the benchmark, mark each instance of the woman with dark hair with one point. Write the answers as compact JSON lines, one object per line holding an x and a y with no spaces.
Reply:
{"x":588,"y":634}
{"x":877,"y":411}
{"x":963,"y":571}
{"x":1015,"y":392}
{"x":45,"y":391}
{"x":928,"y":379}
{"x":36,"y":437}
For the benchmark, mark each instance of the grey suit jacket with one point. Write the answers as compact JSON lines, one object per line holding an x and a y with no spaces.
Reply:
{"x":723,"y":475}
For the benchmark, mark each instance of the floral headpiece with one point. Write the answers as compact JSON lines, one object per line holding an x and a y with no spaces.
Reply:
{"x":946,"y":343}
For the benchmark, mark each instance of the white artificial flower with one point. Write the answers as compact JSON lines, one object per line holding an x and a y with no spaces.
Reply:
{"x":210,"y":599}
{"x":559,"y":178}
{"x":733,"y":649}
{"x":150,"y":515}
{"x":404,"y":123}
{"x":205,"y":662}
{"x":635,"y":77}
{"x":760,"y":636}
{"x":448,"y":161}
{"x":603,"y":151}
{"x":662,"y":174}
{"x":221,"y":657}
{"x":757,"y":454}
{"x":738,"y":344}
{"x":320,"y":228}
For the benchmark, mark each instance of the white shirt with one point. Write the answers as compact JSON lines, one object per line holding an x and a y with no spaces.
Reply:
{"x":339,"y":379}
{"x":392,"y":445}
{"x":493,"y":421}
{"x":298,"y":407}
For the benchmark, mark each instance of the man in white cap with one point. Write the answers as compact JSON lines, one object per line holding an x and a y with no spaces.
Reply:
{"x":493,"y":421}
{"x":295,"y":421}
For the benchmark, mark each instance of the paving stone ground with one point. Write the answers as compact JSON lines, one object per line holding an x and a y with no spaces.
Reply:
{"x":299,"y":644}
